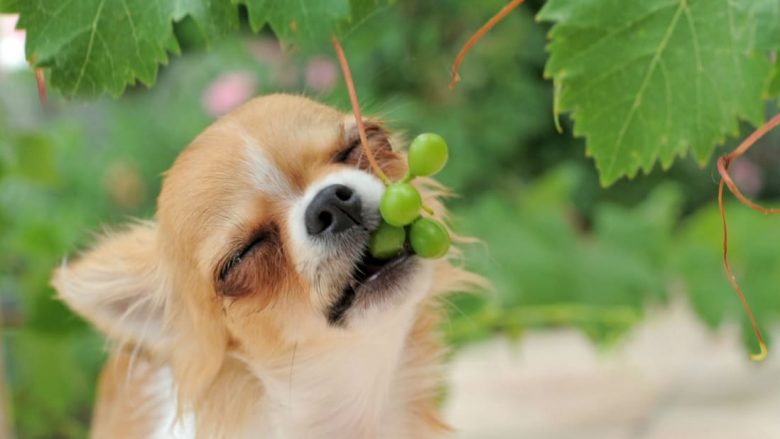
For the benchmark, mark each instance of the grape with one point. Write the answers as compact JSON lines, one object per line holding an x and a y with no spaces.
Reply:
{"x":386,"y":241}
{"x":429,"y":239}
{"x":427,"y":154}
{"x":400,"y":204}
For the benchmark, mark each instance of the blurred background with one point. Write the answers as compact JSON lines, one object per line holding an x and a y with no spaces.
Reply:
{"x":610,"y":315}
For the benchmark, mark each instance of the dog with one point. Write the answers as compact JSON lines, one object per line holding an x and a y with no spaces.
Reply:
{"x":250,"y":308}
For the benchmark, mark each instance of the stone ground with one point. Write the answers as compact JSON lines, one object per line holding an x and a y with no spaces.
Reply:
{"x":669,"y":379}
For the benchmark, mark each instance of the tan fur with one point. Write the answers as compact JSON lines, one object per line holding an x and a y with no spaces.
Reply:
{"x":156,"y":288}
{"x":121,"y":393}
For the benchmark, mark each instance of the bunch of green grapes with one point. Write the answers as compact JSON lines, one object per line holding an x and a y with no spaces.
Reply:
{"x":401,"y":205}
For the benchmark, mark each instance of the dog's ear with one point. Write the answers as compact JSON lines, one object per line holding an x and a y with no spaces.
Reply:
{"x":118,"y":285}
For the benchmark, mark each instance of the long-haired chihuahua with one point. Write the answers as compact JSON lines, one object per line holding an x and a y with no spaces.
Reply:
{"x":250,"y":307}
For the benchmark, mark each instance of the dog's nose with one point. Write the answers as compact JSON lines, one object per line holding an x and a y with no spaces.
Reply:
{"x":333,"y":210}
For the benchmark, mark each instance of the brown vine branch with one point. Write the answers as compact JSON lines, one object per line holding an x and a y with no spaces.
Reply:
{"x":41,"y":80}
{"x":356,"y":110}
{"x":725,"y":180}
{"x":476,"y":37}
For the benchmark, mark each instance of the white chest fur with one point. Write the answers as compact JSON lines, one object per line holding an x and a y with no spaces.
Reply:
{"x":346,"y":391}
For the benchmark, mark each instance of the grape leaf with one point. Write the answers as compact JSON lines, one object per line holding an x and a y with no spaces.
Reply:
{"x":309,"y":21}
{"x":646,"y":81}
{"x":8,"y":6}
{"x":101,"y":46}
{"x":774,"y":82}
{"x":214,"y":17}
{"x":97,"y":46}
{"x":765,"y":24}
{"x":361,"y":10}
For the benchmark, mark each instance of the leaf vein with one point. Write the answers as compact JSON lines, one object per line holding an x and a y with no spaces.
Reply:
{"x":643,"y":86}
{"x":628,"y":25}
{"x":89,"y":44}
{"x":699,"y":71}
{"x":132,"y":29}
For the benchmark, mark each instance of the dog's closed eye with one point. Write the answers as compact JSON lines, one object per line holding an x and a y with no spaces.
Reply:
{"x":353,"y":154}
{"x":343,"y":156}
{"x":236,"y":258}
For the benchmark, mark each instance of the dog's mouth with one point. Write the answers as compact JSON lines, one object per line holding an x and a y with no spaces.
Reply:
{"x":370,"y":277}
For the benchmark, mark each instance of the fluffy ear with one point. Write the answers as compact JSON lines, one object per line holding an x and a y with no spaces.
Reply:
{"x":118,"y":285}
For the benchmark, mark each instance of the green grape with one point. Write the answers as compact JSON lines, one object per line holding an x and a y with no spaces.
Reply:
{"x":386,"y":241}
{"x":427,"y":155}
{"x":429,"y":239}
{"x":400,"y":204}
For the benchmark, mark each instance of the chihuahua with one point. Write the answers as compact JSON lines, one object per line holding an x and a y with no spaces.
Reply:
{"x":250,"y":307}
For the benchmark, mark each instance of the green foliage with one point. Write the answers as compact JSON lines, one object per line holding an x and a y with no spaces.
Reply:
{"x":548,"y":270}
{"x":647,"y":81}
{"x":774,"y":83}
{"x":31,"y":158}
{"x":308,"y":21}
{"x":643,"y":81}
{"x":97,"y":46}
{"x":213,"y":17}
{"x":9,"y":6}
{"x":753,"y":256}
{"x":93,"y":47}
{"x":53,"y":376}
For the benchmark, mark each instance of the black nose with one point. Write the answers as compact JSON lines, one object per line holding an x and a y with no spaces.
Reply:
{"x":333,"y":210}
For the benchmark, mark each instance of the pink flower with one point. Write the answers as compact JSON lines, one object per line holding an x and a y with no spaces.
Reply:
{"x":228,"y":91}
{"x":321,"y":74}
{"x":747,"y":176}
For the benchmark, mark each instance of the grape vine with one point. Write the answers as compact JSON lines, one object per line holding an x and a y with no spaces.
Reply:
{"x":356,"y":110}
{"x":476,"y":37}
{"x":725,"y":180}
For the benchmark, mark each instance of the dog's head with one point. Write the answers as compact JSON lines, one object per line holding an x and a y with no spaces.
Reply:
{"x":259,"y":245}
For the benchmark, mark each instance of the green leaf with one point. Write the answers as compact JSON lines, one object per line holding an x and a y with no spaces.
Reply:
{"x":34,"y":158}
{"x":98,"y":46}
{"x":309,"y":21}
{"x":774,"y":82}
{"x":8,"y":6}
{"x":102,"y":46}
{"x":214,"y":17}
{"x":765,"y":23}
{"x":647,"y":81}
{"x":361,"y":11}
{"x":294,"y":20}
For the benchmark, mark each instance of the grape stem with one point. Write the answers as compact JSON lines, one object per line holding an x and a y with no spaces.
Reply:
{"x":356,"y":110}
{"x":476,"y":37}
{"x":407,"y":178}
{"x":724,"y":162}
{"x":41,"y":81}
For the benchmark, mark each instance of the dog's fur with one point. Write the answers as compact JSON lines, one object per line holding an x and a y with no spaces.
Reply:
{"x":216,"y":338}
